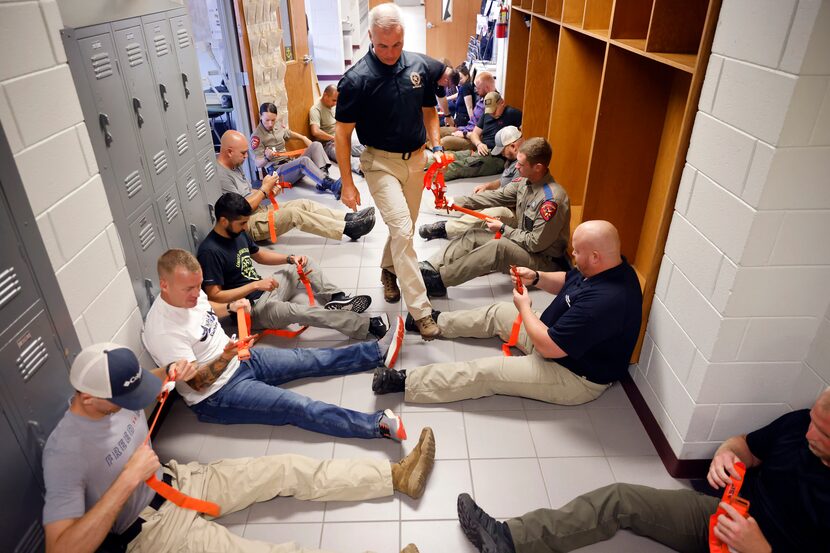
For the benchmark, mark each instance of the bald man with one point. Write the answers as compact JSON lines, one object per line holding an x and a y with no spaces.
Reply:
{"x":574,"y":351}
{"x":306,"y":215}
{"x":457,"y":138}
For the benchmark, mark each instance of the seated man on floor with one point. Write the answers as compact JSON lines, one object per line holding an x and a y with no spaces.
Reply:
{"x":481,"y":161}
{"x":574,"y":351}
{"x":183,"y":324}
{"x":227,"y":255}
{"x":322,"y":122}
{"x":538,"y":240}
{"x":457,"y":138}
{"x":268,"y":143}
{"x":306,"y":215}
{"x":508,"y":142}
{"x":95,"y":464}
{"x":787,"y":484}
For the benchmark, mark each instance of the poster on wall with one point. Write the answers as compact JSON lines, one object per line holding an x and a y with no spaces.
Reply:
{"x":446,"y":12}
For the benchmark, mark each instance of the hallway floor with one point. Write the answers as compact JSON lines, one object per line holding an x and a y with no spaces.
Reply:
{"x":512,"y":455}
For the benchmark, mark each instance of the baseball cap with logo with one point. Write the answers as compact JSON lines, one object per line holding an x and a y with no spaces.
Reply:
{"x":491,"y":101}
{"x":505,"y":137}
{"x":109,"y":371}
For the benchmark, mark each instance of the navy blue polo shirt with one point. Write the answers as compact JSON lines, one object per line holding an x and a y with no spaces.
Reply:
{"x":596,"y":321}
{"x":386,"y":101}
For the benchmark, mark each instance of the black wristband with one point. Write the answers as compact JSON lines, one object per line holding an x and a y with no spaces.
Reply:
{"x":535,"y":280}
{"x":228,"y":307}
{"x":501,"y":229}
{"x":167,"y":368}
{"x":289,"y":259}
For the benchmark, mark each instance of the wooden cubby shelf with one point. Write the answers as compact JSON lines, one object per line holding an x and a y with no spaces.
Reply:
{"x":613,"y":85}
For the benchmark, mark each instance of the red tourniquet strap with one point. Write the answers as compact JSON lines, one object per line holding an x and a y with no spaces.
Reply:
{"x":243,"y":324}
{"x":272,"y":230}
{"x":517,"y":324}
{"x":730,"y":496}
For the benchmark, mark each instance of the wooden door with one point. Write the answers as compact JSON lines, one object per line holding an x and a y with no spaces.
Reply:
{"x":448,"y":39}
{"x":299,"y":71}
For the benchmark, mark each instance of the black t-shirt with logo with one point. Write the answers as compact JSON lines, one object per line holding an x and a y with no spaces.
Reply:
{"x":386,"y":101}
{"x":789,"y":492}
{"x":227,"y":262}
{"x":596,"y":321}
{"x":490,"y":125}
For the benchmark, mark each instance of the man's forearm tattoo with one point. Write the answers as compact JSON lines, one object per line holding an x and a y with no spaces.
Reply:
{"x":208,"y":374}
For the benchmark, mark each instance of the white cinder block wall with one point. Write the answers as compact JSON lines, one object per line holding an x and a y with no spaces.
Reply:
{"x":739,"y":332}
{"x":42,"y":120}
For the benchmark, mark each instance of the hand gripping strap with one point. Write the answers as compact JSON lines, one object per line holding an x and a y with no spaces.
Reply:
{"x":517,"y":324}
{"x":243,"y":324}
{"x":730,"y":496}
{"x":294,"y":333}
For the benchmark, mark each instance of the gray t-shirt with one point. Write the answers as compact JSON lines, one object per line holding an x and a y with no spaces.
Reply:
{"x":233,"y":180}
{"x":510,"y":173}
{"x":82,"y":459}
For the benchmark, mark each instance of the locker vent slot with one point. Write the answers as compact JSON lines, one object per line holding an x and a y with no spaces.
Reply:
{"x":210,"y":170}
{"x":32,"y":358}
{"x":147,"y":236}
{"x":201,"y":129}
{"x":160,"y":162}
{"x":183,"y":38}
{"x":171,"y":210}
{"x":181,"y":143}
{"x":134,"y":54}
{"x":101,"y":65}
{"x":162,"y":48}
{"x":132,"y":184}
{"x":9,"y":286}
{"x":192,"y":188}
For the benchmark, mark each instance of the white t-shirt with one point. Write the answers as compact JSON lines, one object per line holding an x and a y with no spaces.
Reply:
{"x":173,"y":333}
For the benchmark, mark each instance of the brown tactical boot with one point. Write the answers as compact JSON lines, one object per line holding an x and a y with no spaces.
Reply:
{"x":409,"y":475}
{"x":428,"y":328}
{"x":391,"y":292}
{"x":411,"y":548}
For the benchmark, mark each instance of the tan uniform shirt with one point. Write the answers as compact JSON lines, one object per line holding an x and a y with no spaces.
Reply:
{"x":323,"y":117}
{"x":274,"y":140}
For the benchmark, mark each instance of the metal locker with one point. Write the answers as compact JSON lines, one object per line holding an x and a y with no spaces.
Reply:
{"x":198,"y":220}
{"x":17,"y":285}
{"x":116,"y":136}
{"x":168,"y":81}
{"x":173,"y":220}
{"x":149,"y":243}
{"x":210,"y":182}
{"x":138,"y":76}
{"x":22,"y":493}
{"x":198,"y":122}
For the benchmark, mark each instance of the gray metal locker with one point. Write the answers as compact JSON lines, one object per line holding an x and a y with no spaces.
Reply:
{"x":148,"y":241}
{"x":196,"y":211}
{"x":169,"y":82}
{"x":198,"y":123}
{"x":143,"y":97}
{"x":172,"y":219}
{"x":210,"y":182}
{"x":113,"y":119}
{"x":17,"y":284}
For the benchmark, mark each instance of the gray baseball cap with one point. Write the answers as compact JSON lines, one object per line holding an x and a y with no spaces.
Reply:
{"x":505,"y":137}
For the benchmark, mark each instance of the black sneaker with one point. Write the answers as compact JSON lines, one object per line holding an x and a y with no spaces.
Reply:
{"x":360,"y":226}
{"x":379,"y":326}
{"x":487,"y":534}
{"x":410,"y":325}
{"x":340,"y":301}
{"x":433,"y":230}
{"x":432,"y":280}
{"x":362,"y":214}
{"x":388,"y":381}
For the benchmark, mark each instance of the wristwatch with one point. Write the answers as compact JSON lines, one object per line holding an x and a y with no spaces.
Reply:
{"x":437,"y":149}
{"x":290,"y":259}
{"x":535,"y":280}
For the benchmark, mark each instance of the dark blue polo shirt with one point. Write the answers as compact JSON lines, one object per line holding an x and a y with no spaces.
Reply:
{"x":596,"y":321}
{"x":386,"y":101}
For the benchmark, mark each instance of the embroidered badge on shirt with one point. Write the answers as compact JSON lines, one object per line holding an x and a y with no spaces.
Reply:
{"x":416,"y":80}
{"x":548,"y":210}
{"x":254,"y":142}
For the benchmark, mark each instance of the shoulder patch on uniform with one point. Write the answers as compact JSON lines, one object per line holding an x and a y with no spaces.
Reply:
{"x":548,"y":209}
{"x":518,"y":179}
{"x":254,"y":142}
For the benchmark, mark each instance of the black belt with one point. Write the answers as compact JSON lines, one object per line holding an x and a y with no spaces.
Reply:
{"x":134,"y":529}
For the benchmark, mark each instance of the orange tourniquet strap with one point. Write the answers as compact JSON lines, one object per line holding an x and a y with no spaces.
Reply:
{"x":294,"y":333}
{"x":292,"y":153}
{"x":272,"y":230}
{"x":169,"y":492}
{"x":514,"y":337}
{"x":730,"y":496}
{"x":243,"y":323}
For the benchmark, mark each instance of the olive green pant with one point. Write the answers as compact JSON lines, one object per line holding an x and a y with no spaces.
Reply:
{"x":234,"y":484}
{"x":678,"y":519}
{"x":531,"y":376}
{"x":455,"y":227}
{"x":470,"y":164}
{"x":306,"y":215}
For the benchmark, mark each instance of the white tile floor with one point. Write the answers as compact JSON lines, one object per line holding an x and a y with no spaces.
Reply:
{"x":513,"y":455}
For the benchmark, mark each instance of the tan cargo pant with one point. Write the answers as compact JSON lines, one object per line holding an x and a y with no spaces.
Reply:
{"x":275,"y":309}
{"x":234,"y":484}
{"x":397,"y":186}
{"x":531,"y":376}
{"x":456,"y":227}
{"x":306,"y":215}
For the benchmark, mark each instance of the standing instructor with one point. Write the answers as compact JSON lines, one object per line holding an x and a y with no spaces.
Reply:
{"x":389,"y":95}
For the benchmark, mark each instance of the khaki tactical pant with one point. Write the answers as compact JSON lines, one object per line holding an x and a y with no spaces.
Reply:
{"x":455,"y":143}
{"x":531,"y":376}
{"x":396,"y":186}
{"x":275,"y":309}
{"x":676,"y":518}
{"x":477,"y":252}
{"x":455,"y":227}
{"x":234,"y":484}
{"x":306,"y":215}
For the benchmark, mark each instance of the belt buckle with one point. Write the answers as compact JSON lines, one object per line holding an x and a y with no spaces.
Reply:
{"x":406,"y":156}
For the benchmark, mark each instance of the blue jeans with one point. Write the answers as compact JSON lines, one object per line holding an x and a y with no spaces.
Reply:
{"x":253,"y":395}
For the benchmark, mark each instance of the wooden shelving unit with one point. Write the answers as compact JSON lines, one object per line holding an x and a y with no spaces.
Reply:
{"x":614,"y":86}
